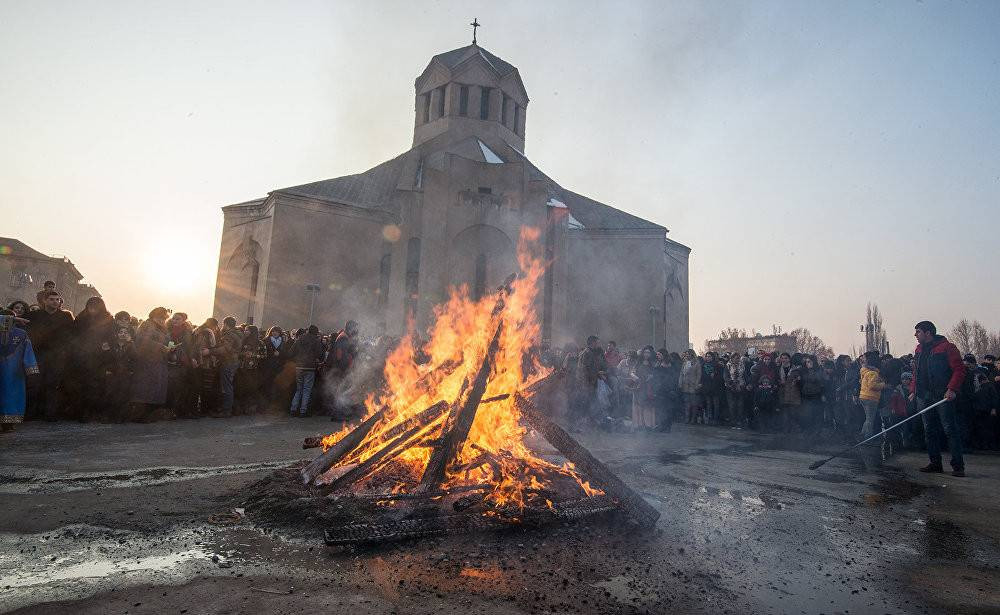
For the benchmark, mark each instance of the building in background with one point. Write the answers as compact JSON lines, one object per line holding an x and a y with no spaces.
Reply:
{"x":383,"y":247}
{"x":23,"y":270}
{"x":761,"y":343}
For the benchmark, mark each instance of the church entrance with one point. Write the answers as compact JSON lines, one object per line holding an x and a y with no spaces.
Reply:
{"x":482,"y":256}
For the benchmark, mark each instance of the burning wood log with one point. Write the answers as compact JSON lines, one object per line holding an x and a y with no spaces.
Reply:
{"x":350,"y":441}
{"x":408,"y":429}
{"x":459,"y":421}
{"x":336,"y":452}
{"x":630,"y":501}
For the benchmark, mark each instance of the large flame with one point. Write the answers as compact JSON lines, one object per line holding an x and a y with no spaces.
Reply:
{"x":456,"y":346}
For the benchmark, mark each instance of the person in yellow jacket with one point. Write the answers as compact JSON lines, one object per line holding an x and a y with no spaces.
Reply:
{"x":871,"y":391}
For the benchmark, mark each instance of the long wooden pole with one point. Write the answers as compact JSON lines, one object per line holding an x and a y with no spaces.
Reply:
{"x":588,"y":465}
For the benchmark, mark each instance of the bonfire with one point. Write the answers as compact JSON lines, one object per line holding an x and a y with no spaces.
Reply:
{"x":453,"y":432}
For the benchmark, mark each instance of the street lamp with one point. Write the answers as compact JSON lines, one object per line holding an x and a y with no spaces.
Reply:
{"x":313,"y":289}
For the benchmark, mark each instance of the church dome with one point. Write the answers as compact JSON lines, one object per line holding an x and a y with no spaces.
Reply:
{"x":470,"y":91}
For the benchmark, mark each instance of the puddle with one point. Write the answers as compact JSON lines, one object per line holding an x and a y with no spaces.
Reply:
{"x":23,"y":481}
{"x":78,"y":561}
{"x":62,"y":570}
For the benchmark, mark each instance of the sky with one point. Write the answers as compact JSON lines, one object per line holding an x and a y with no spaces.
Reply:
{"x":816,"y":156}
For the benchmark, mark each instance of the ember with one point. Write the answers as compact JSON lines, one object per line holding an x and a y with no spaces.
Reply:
{"x":451,"y":431}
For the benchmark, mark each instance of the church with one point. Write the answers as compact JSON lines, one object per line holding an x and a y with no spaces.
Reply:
{"x":383,"y":247}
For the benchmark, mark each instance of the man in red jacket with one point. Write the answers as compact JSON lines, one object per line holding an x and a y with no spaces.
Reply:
{"x":939,"y":374}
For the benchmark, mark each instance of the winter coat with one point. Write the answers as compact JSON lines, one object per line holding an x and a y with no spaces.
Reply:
{"x":713,"y":380}
{"x":203,"y":339}
{"x":307,"y":352}
{"x":50,"y":334}
{"x":589,"y":366}
{"x":736,"y":375}
{"x":149,"y":380}
{"x":812,"y":383}
{"x":789,"y":391}
{"x":763,"y":370}
{"x":230,"y":343}
{"x":871,"y":384}
{"x":689,"y":380}
{"x":939,"y":369}
{"x":342,"y":354}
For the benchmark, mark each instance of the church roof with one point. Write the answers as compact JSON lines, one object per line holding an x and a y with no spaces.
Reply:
{"x":369,"y":190}
{"x":591,"y":214}
{"x":374,"y":188}
{"x":453,"y":58}
{"x":594,"y":215}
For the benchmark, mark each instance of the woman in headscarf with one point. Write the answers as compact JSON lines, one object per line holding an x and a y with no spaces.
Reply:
{"x":644,"y":398}
{"x":153,"y":348}
{"x":91,"y":357}
{"x":17,"y":362}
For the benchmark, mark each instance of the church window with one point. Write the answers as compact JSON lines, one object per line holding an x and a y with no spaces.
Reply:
{"x":440,"y":109}
{"x":412,"y":277}
{"x":463,"y":100}
{"x":484,"y":103}
{"x":503,"y":110}
{"x":485,"y":190}
{"x":479,"y":289}
{"x":384,"y":270}
{"x":517,"y":119}
{"x":426,"y":101}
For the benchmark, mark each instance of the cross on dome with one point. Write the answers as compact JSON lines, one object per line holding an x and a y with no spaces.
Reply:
{"x":475,"y":24}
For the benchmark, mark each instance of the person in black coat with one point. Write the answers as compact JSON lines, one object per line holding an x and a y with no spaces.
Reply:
{"x":90,"y":358}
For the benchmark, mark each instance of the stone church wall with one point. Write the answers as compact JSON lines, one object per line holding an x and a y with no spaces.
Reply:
{"x":613,"y":280}
{"x":337,"y":248}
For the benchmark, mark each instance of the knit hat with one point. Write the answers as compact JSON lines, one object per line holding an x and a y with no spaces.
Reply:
{"x":906,"y":376}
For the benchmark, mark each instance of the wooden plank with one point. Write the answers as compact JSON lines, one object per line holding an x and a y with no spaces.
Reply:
{"x":459,"y":422}
{"x":402,"y":432}
{"x":587,"y":465}
{"x":327,"y":460}
{"x":337,"y":452}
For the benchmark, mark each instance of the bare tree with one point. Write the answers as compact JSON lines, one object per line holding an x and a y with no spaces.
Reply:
{"x":874,"y":329}
{"x":732,"y":333}
{"x":807,"y":343}
{"x":961,"y":335}
{"x":972,"y":337}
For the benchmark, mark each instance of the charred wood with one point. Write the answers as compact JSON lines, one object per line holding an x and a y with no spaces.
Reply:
{"x":601,"y":476}
{"x":460,"y":420}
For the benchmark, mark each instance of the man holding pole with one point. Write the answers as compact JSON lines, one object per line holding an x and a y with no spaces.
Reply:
{"x":938,"y":375}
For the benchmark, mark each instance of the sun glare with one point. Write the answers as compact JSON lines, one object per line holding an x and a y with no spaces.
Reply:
{"x":176,"y":266}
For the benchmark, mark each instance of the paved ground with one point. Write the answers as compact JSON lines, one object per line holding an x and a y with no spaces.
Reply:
{"x":119,"y":519}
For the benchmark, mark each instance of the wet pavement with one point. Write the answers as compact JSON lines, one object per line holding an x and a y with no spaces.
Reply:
{"x":147,"y":519}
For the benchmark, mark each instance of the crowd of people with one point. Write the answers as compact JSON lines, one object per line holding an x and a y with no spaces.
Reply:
{"x":96,"y":366}
{"x":822,"y":398}
{"x":99,"y":366}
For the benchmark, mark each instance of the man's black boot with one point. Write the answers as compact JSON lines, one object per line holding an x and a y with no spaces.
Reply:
{"x":932,"y":467}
